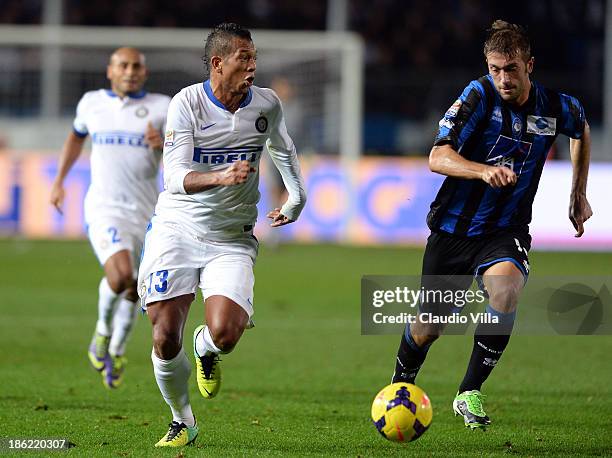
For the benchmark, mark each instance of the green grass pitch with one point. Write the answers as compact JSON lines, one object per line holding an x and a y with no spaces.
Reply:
{"x":302,"y":381}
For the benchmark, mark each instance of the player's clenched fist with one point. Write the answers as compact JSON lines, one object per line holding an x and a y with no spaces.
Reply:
{"x":153,"y":138}
{"x":57,"y":196}
{"x":498,"y":177}
{"x":237,"y":173}
{"x":278,"y":219}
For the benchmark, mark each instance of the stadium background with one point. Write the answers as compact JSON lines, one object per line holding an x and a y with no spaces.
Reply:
{"x":408,"y":63}
{"x":305,"y":357}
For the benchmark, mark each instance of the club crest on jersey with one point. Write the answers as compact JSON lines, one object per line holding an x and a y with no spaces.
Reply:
{"x":454,"y":109}
{"x":261,"y":123}
{"x":517,"y":125}
{"x":541,"y":125}
{"x":142,"y":111}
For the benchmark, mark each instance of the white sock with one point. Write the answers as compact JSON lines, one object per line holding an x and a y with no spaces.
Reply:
{"x":123,"y":322}
{"x":172,"y":377}
{"x":107,"y":299}
{"x":204,"y":343}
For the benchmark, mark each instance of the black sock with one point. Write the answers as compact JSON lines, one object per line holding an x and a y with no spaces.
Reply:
{"x":490,"y":340}
{"x":410,"y":357}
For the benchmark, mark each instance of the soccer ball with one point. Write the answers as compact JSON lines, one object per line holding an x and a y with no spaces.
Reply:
{"x":401,"y":412}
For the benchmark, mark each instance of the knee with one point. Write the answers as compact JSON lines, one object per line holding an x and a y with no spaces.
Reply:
{"x":226,"y":336}
{"x":166,"y":342}
{"x":425,"y":339}
{"x":121,"y":281}
{"x":131,"y":294}
{"x":425,"y":334}
{"x":505,"y":297}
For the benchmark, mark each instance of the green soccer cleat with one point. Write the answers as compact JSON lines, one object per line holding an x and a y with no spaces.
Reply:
{"x":208,"y":370}
{"x":179,"y":435}
{"x":98,"y":351}
{"x":469,"y":405}
{"x":112,"y":375}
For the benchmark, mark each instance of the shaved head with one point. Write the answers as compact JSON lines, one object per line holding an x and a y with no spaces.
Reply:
{"x":126,"y":71}
{"x":127,"y":52}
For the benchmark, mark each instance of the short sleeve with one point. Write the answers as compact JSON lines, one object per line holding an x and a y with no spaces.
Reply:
{"x":572,"y":117}
{"x":79,"y":125}
{"x":462,"y":118}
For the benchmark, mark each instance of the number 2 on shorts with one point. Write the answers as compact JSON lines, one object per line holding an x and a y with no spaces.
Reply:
{"x":114,"y":234}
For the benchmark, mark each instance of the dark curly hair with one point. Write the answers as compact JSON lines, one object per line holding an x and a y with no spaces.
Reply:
{"x":507,"y":39}
{"x":219,"y":41}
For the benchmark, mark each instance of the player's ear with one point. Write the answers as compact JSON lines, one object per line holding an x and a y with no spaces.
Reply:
{"x":530,"y":63}
{"x":216,"y":64}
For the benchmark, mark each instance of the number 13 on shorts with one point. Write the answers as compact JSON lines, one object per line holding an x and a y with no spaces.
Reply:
{"x":158,"y":281}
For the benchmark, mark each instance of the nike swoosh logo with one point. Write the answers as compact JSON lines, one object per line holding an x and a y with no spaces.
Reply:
{"x":207,"y":392}
{"x":206,"y":127}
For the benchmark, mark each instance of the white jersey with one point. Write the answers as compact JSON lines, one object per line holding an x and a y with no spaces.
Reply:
{"x":123,"y":169}
{"x":202,"y":136}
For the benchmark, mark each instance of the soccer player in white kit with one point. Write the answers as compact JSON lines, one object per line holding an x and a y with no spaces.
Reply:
{"x":202,"y":231}
{"x":125,"y":124}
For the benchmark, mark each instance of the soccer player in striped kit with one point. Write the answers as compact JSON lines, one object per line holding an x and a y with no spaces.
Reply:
{"x":492,"y":145}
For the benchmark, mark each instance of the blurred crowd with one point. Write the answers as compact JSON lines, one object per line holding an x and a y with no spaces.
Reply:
{"x":418,"y":53}
{"x":446,"y":36}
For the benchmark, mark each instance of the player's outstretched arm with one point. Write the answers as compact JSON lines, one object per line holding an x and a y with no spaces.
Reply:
{"x":70,"y":153}
{"x":235,"y":174}
{"x":580,"y":152}
{"x":445,"y":160}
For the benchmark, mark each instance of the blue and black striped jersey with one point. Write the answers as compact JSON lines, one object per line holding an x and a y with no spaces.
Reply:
{"x":483,"y":128}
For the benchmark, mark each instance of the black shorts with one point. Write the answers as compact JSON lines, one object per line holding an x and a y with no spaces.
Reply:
{"x":451,"y":263}
{"x":446,"y":254}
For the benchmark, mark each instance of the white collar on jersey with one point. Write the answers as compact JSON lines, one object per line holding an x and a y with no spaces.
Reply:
{"x":209,"y":92}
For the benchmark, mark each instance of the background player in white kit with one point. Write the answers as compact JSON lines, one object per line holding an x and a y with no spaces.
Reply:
{"x":125,"y":125}
{"x":201,"y":234}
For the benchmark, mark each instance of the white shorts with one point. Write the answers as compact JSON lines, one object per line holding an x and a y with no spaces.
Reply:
{"x":108,"y":235}
{"x":175,"y":263}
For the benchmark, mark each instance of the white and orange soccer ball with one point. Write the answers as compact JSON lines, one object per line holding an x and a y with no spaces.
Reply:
{"x":401,"y":412}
